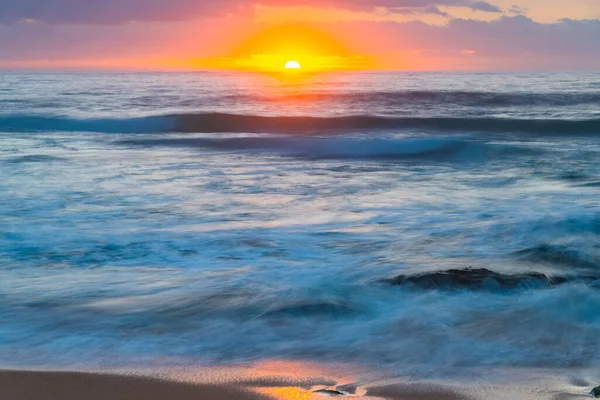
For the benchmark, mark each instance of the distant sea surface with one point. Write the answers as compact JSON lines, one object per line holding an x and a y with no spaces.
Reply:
{"x":405,"y":220}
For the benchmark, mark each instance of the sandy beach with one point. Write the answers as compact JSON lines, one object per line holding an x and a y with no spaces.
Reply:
{"x":283,"y":381}
{"x":20,"y":385}
{"x":74,"y":386}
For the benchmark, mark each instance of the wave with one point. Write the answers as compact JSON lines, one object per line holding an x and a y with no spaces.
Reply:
{"x":557,"y":255}
{"x":590,"y":184}
{"x":456,"y":98}
{"x":34,"y":158}
{"x":324,"y":148}
{"x":299,"y":308}
{"x":26,"y":123}
{"x":204,"y":123}
{"x":236,"y":123}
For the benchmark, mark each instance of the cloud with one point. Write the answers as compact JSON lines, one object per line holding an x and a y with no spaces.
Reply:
{"x":107,"y":11}
{"x":517,"y":10}
{"x":483,"y":6}
{"x":431,"y":10}
{"x":509,"y":42}
{"x":121,"y":11}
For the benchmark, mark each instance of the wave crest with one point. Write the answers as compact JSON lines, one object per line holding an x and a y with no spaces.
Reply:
{"x":236,"y":123}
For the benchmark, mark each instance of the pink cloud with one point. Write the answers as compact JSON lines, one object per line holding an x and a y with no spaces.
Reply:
{"x":120,"y":11}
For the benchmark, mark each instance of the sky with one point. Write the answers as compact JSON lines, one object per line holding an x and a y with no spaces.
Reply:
{"x":327,"y":34}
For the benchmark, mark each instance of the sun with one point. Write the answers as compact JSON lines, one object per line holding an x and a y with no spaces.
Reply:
{"x":292,"y":65}
{"x":290,"y":48}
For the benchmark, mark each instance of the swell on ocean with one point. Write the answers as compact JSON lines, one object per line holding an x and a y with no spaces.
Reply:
{"x":234,"y":123}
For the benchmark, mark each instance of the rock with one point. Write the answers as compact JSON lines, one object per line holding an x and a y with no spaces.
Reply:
{"x":595,"y":392}
{"x":330,"y":392}
{"x":476,"y":279}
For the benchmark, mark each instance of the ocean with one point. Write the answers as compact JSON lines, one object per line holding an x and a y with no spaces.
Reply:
{"x":412,"y":221}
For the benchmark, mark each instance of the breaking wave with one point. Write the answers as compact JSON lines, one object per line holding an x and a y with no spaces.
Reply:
{"x":236,"y":123}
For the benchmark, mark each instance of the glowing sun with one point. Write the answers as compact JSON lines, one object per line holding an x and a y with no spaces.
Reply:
{"x":292,"y":65}
{"x":296,"y":49}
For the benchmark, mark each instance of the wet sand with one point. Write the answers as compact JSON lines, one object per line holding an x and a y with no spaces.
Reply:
{"x":22,"y":385}
{"x":83,"y":386}
{"x":276,"y":382}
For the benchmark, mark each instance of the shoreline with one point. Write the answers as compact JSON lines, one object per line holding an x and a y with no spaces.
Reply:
{"x":36,"y":385}
{"x":285,"y":381}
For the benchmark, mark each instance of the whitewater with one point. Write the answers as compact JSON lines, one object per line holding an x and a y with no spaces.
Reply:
{"x":415,"y":221}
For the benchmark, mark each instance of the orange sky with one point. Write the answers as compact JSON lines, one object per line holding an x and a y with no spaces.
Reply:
{"x":322,"y":36}
{"x":271,"y":47}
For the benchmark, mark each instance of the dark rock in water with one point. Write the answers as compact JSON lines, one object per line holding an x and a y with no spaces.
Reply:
{"x":477,"y":279}
{"x":595,"y":392}
{"x":329,"y":392}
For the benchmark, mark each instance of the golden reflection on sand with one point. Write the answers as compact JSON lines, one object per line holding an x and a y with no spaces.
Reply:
{"x":303,"y":381}
{"x":282,"y":380}
{"x":290,"y":393}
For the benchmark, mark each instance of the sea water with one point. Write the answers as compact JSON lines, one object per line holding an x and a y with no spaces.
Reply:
{"x":198,"y":218}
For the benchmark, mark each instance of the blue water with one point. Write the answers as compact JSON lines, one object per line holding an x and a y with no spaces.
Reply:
{"x":223,"y":218}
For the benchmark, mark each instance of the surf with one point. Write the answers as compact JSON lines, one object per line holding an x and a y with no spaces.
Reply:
{"x":240,"y":123}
